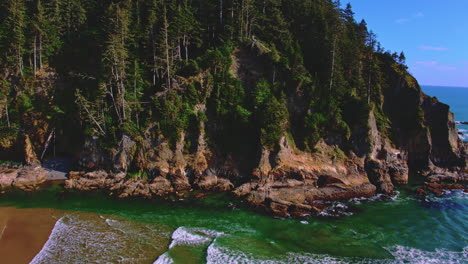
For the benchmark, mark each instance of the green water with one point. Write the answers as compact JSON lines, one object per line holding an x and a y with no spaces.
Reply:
{"x":101,"y":229}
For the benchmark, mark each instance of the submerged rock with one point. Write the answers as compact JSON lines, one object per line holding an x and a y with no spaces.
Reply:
{"x":437,"y":184}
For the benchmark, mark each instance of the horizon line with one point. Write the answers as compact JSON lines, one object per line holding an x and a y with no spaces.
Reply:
{"x":452,"y":86}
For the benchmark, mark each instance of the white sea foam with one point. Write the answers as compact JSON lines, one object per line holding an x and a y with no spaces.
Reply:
{"x":411,"y":255}
{"x":463,"y":137}
{"x":377,"y":197}
{"x":222,"y":255}
{"x":336,"y":209}
{"x":79,"y":238}
{"x":164,"y":259}
{"x":3,"y":230}
{"x":402,"y":255}
{"x":192,"y":236}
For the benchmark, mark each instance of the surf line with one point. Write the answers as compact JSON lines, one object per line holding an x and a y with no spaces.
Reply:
{"x":3,"y":230}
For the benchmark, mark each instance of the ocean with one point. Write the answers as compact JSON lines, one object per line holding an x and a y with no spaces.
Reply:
{"x":456,"y":98}
{"x":94,"y":228}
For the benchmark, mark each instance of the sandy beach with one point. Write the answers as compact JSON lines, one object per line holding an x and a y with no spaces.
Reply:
{"x":23,"y":232}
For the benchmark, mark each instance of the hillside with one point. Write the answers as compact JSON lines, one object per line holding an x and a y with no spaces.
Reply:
{"x":285,"y":103}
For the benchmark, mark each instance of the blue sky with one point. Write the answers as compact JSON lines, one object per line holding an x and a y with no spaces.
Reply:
{"x":432,"y":33}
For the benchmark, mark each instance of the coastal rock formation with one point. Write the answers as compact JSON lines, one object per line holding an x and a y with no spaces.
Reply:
{"x":415,"y":134}
{"x":26,"y":178}
{"x":437,"y":184}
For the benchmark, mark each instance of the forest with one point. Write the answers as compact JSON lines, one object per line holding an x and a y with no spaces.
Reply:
{"x":245,"y":72}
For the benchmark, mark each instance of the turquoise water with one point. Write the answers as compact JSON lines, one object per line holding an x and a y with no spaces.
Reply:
{"x":100,"y":229}
{"x":457,"y":98}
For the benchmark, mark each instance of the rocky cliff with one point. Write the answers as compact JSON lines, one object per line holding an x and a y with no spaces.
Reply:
{"x":413,"y":135}
{"x":419,"y":139}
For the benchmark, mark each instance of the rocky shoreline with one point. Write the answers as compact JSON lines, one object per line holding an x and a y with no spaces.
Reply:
{"x":300,"y":184}
{"x":420,"y":139}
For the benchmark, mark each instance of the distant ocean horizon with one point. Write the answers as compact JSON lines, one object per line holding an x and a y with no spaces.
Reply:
{"x":456,"y":97}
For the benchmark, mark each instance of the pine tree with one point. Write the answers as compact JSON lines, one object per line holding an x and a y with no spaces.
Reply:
{"x":115,"y":55}
{"x":13,"y":36}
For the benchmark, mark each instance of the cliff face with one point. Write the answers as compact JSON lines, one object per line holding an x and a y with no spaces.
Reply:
{"x":420,"y":139}
{"x":411,"y":135}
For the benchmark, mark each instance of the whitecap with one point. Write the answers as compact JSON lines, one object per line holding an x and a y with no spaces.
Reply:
{"x":336,"y":209}
{"x":192,"y":236}
{"x":402,"y":255}
{"x":3,"y":230}
{"x":164,"y":259}
{"x":85,"y":238}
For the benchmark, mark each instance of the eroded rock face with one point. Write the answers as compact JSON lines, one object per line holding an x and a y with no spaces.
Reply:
{"x":92,"y":156}
{"x":299,"y":179}
{"x":30,"y":156}
{"x":290,"y":182}
{"x":211,"y":182}
{"x":124,"y":154}
{"x":26,"y":178}
{"x":437,"y":184}
{"x":447,"y":150}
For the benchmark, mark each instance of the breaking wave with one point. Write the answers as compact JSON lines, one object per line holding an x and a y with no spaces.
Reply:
{"x":402,"y":255}
{"x":80,"y":238}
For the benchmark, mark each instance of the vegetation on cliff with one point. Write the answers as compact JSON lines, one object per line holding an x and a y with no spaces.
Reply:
{"x":107,"y":68}
{"x":286,"y":103}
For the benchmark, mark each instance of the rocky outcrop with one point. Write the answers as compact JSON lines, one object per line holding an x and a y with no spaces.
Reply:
{"x":92,"y":156}
{"x":298,"y":180}
{"x":408,"y":134}
{"x":437,"y":184}
{"x":26,"y":178}
{"x":30,"y":156}
{"x":447,"y":150}
{"x":124,"y":154}
{"x":210,"y":182}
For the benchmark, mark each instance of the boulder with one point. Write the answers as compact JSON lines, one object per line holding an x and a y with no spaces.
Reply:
{"x":125,"y":154}
{"x":160,"y":186}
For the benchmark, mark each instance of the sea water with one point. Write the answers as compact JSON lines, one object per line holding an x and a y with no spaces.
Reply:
{"x":96,"y":228}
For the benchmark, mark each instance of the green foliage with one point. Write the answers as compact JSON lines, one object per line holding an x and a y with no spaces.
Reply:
{"x":139,"y":175}
{"x":25,"y":103}
{"x":173,"y":115}
{"x":273,"y":122}
{"x":271,"y":113}
{"x":308,"y":70}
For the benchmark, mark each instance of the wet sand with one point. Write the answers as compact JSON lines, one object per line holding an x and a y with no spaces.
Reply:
{"x":23,"y":232}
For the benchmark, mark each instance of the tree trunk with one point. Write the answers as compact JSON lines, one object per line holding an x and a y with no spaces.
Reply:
{"x":186,"y":48}
{"x":35,"y":55}
{"x":221,"y":12}
{"x":369,"y":80}
{"x":124,"y":117}
{"x":154,"y":55}
{"x":135,"y":92}
{"x":40,"y":51}
{"x":333,"y":64}
{"x":274,"y":74}
{"x":166,"y":42}
{"x":179,"y":51}
{"x":6,"y":112}
{"x":111,"y":93}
